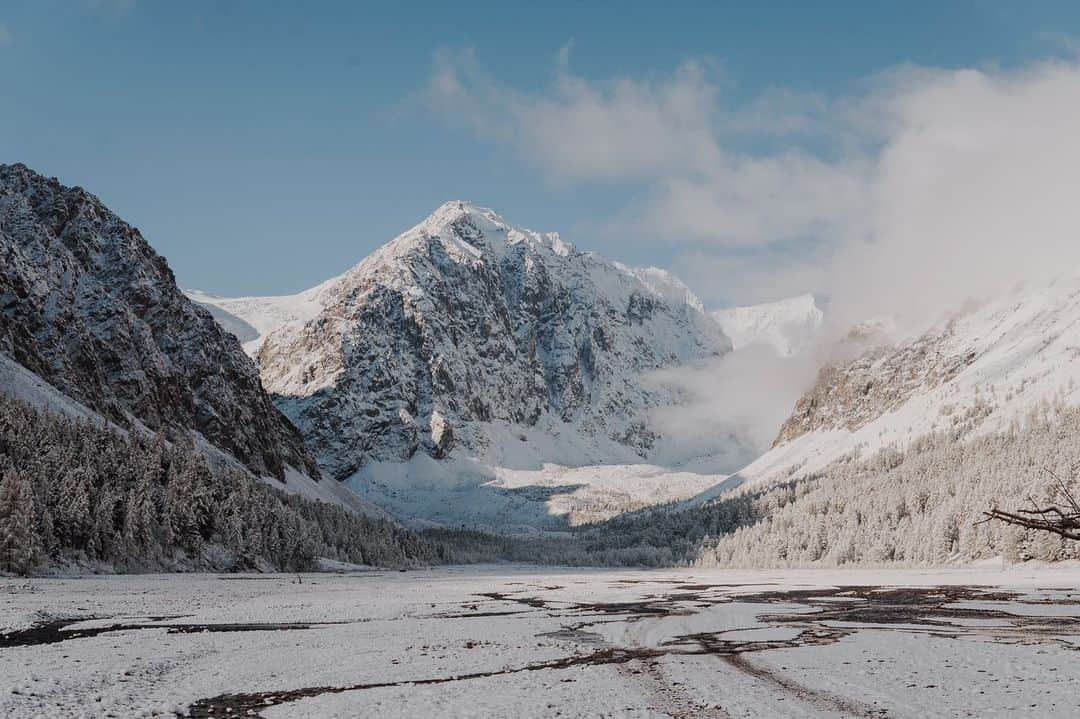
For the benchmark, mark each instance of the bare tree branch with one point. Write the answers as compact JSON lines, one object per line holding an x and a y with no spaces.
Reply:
{"x":1063,"y":521}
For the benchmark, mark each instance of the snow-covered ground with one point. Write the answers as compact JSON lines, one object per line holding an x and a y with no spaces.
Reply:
{"x":524,"y":642}
{"x":504,"y":500}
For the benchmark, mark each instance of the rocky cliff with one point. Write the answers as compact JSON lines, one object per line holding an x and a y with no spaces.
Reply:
{"x":87,"y":304}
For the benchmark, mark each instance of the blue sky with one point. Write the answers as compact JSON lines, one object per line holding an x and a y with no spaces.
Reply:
{"x":262,"y":147}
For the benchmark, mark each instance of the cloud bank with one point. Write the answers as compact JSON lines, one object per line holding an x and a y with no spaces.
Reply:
{"x":929,"y":188}
{"x":926,"y":190}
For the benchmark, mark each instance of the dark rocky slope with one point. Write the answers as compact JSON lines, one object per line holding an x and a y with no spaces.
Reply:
{"x":87,"y":304}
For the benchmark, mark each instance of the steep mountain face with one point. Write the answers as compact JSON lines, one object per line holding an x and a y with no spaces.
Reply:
{"x":788,"y":326}
{"x":86,"y":304}
{"x":985,"y":370}
{"x":464,"y":332}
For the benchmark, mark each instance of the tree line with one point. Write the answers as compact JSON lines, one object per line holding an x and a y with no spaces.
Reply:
{"x":78,"y":492}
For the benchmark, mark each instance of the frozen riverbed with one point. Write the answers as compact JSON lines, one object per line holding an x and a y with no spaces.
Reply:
{"x":524,"y":642}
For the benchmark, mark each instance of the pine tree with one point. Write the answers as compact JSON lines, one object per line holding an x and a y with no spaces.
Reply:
{"x":139,"y":518}
{"x":18,"y":537}
{"x":106,"y":539}
{"x":74,"y":519}
{"x":180,"y":519}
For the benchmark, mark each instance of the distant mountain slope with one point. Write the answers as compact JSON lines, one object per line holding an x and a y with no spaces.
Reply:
{"x":232,"y":324}
{"x":983,"y":371}
{"x":788,"y":326}
{"x":468,"y":334}
{"x":894,"y":455}
{"x":87,"y":305}
{"x":265,"y":314}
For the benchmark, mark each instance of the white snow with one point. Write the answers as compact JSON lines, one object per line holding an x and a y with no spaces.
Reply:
{"x":19,"y":382}
{"x":267,"y":314}
{"x":318,"y":347}
{"x":550,"y":498}
{"x":788,"y":326}
{"x":1026,"y":349}
{"x":665,"y":285}
{"x":325,"y":490}
{"x":525,"y":642}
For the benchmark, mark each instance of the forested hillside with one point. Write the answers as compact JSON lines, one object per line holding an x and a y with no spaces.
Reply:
{"x":88,"y":306}
{"x":74,"y":493}
{"x":919,"y":506}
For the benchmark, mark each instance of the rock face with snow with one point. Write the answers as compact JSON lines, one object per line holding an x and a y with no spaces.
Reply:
{"x":465,"y":327}
{"x":788,"y":326}
{"x":851,"y":395}
{"x":86,"y":304}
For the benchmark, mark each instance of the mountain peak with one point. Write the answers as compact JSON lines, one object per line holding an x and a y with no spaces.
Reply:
{"x":788,"y":325}
{"x":665,"y":285}
{"x":468,"y":229}
{"x":466,"y":330}
{"x":450,"y":212}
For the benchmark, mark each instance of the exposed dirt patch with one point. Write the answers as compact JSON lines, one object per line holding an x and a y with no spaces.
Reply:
{"x":58,"y":630}
{"x":250,"y":705}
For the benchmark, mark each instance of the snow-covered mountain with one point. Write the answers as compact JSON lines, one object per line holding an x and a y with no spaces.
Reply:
{"x":251,"y":319}
{"x":89,"y":307}
{"x":984,"y":370}
{"x":788,"y":325}
{"x":470,"y":336}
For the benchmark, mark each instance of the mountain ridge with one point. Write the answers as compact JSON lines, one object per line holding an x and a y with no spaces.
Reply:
{"x":91,"y":308}
{"x":463,"y":321}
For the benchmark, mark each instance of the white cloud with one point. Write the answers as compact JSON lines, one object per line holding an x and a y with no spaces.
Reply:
{"x":578,"y":132}
{"x":669,"y":134}
{"x":928,"y":188}
{"x":754,"y":277}
{"x":758,"y":201}
{"x":973,"y":190}
{"x":733,"y":406}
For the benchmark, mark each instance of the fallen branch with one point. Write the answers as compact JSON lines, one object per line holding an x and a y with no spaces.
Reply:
{"x":1064,"y":522}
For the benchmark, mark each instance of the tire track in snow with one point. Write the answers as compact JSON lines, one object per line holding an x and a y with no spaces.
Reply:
{"x":666,"y":696}
{"x":822,"y":699}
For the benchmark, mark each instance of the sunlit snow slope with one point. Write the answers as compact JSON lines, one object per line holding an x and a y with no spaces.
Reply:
{"x":981,"y":371}
{"x":788,"y":326}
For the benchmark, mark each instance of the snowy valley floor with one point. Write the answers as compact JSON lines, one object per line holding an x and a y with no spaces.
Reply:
{"x":527,"y":642}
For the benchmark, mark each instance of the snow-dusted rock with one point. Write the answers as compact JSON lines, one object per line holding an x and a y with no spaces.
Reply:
{"x":465,"y":326}
{"x":86,"y":304}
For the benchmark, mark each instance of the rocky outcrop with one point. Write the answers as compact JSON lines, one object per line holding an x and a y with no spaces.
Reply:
{"x":88,"y":305}
{"x":852,"y":394}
